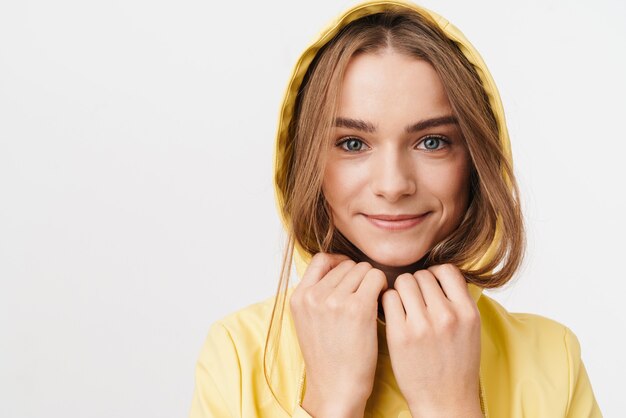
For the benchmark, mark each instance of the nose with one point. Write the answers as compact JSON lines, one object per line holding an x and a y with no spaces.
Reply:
{"x":393,"y":174}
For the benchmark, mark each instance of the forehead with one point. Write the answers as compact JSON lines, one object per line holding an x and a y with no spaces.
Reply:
{"x":390,"y":86}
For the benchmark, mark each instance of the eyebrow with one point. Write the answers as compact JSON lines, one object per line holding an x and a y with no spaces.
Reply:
{"x":361,"y":125}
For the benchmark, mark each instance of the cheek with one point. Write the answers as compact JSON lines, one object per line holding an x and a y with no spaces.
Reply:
{"x":450,"y":183}
{"x":341,"y":184}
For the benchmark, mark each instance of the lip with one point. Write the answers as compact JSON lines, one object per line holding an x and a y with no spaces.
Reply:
{"x":396,"y":222}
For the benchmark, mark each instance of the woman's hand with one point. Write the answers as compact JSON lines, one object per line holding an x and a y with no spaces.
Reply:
{"x":334,"y":308}
{"x":435,"y":345}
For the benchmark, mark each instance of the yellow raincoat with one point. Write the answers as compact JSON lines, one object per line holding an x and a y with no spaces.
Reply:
{"x":530,"y":365}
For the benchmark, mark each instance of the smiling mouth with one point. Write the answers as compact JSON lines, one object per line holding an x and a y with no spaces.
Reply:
{"x":396,"y":222}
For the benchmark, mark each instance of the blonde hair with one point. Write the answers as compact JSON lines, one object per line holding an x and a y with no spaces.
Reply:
{"x":494,"y":194}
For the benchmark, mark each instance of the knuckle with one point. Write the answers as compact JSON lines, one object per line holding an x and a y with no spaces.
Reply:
{"x":434,"y":268}
{"x":418,"y":333}
{"x":311,"y":298}
{"x":354,"y":309}
{"x":319,"y":257}
{"x":364,"y":264}
{"x":404,"y":279}
{"x":445,"y":266}
{"x":449,"y":267}
{"x":447,"y":321}
{"x":334,"y":303}
{"x":471,"y":315}
{"x":375,"y":275}
{"x":348,"y":262}
{"x":421,"y":275}
{"x":389,"y":295}
{"x":421,"y":331}
{"x":451,"y":270}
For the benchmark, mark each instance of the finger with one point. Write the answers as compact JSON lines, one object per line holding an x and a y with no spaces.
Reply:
{"x":410,"y":295}
{"x":337,"y":274}
{"x":374,"y":282}
{"x":320,"y":265}
{"x":393,"y":308}
{"x":352,"y":279}
{"x":452,"y":282}
{"x":431,"y":290}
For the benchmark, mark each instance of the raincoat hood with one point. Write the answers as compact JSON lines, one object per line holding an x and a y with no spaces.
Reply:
{"x":283,"y":139}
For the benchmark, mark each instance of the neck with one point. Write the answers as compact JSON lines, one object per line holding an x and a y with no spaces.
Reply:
{"x":392,"y":272}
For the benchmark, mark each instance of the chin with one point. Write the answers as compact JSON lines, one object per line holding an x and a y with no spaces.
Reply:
{"x":394,"y":258}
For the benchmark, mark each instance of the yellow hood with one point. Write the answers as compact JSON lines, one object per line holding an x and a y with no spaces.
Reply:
{"x":301,"y":256}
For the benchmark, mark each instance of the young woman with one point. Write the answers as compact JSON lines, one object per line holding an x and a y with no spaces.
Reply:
{"x":394,"y":181}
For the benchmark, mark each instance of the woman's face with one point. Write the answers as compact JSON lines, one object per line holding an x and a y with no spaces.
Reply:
{"x":397,"y":150}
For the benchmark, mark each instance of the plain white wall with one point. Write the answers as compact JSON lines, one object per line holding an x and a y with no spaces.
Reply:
{"x":136,"y":188}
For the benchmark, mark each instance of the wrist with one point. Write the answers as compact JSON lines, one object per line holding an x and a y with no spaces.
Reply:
{"x":333,"y":410}
{"x":457,"y":405}
{"x":321,"y":405}
{"x":470,"y":409}
{"x":335,"y":407}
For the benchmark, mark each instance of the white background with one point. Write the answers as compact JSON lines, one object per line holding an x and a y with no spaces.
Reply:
{"x":136,"y":197}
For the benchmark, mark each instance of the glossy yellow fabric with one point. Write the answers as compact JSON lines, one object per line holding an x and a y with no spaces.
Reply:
{"x":530,"y":367}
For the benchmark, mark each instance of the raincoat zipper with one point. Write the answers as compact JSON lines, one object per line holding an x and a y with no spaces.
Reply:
{"x":481,"y":395}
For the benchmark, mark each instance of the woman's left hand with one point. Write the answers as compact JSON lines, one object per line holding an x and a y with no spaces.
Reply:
{"x":434,"y":346}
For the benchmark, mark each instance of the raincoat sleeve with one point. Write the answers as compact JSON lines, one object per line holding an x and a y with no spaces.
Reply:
{"x":218,"y":377}
{"x":582,"y":402}
{"x":218,"y":380}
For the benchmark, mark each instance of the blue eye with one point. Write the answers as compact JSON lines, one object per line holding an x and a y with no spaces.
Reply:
{"x":352,"y":144}
{"x":433,"y":142}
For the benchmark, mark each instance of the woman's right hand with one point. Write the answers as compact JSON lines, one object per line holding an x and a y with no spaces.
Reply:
{"x":334,"y":308}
